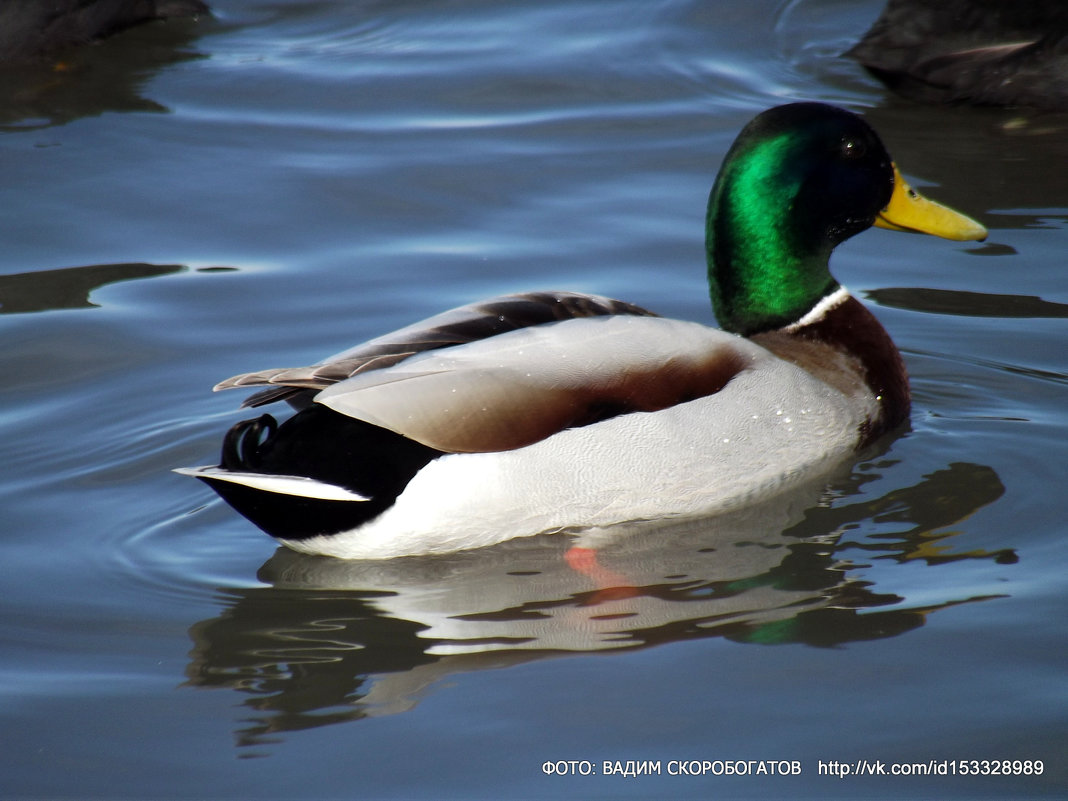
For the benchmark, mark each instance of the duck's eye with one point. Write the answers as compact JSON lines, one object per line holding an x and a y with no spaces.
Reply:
{"x":853,"y":148}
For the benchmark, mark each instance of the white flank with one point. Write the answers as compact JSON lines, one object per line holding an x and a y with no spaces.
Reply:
{"x":772,"y":427}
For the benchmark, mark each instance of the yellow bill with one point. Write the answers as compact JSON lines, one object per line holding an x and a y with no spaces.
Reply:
{"x":908,"y":210}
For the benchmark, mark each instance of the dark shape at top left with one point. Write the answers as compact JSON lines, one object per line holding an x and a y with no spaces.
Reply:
{"x":32,"y":29}
{"x":51,"y":70}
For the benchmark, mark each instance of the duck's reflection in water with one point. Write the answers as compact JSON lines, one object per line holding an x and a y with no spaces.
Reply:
{"x":332,"y":640}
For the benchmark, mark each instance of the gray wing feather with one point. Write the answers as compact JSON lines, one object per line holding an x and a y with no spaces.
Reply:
{"x":457,"y":326}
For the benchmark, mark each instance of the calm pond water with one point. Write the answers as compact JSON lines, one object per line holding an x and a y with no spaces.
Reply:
{"x":188,"y":201}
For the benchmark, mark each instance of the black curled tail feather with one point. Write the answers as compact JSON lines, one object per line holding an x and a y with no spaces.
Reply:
{"x":328,"y":447}
{"x":242,"y":446}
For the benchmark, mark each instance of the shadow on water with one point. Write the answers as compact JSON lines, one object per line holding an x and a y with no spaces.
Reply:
{"x":332,"y":641}
{"x":89,"y":81}
{"x":967,"y":304}
{"x":70,"y":287}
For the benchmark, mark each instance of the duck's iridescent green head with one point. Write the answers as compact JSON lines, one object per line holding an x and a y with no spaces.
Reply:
{"x":799,"y":180}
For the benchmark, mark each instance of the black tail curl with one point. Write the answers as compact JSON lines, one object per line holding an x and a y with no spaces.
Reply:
{"x":326,"y":446}
{"x":242,"y":444}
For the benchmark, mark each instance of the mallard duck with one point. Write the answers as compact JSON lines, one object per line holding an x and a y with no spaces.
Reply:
{"x":986,"y":52}
{"x":559,"y":411}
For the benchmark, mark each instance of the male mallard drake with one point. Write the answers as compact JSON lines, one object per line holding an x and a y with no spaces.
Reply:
{"x":542,"y":412}
{"x":986,"y":52}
